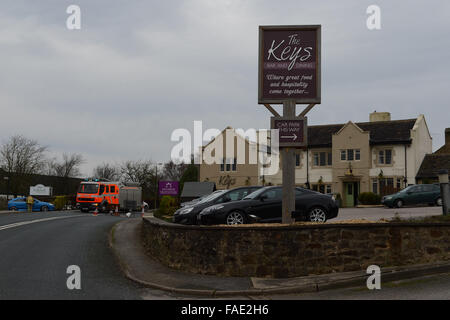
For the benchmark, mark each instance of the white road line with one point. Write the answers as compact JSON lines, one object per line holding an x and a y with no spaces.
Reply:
{"x":23,"y":223}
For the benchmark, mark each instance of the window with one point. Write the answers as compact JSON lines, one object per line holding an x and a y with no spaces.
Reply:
{"x":113,"y":189}
{"x":297,"y":160}
{"x":322,"y":159}
{"x":399,"y":183}
{"x":330,"y":158}
{"x":322,"y":188}
{"x":385,"y":156}
{"x":388,"y":156}
{"x":350,"y":154}
{"x":381,"y":157}
{"x":316,"y":159}
{"x":273,"y":194}
{"x":375,"y":185}
{"x":228,"y":165}
{"x":233,"y":167}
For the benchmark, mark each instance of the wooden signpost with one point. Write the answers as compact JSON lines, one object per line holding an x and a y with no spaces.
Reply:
{"x":289,"y":74}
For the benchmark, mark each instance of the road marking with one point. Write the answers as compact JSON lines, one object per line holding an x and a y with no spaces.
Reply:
{"x":23,"y":223}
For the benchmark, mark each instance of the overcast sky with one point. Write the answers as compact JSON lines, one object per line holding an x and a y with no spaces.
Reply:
{"x":137,"y":70}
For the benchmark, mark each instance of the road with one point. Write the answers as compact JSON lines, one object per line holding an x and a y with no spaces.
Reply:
{"x":34,"y":258}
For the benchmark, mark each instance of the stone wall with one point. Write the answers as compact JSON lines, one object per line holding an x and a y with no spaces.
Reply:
{"x":290,"y":251}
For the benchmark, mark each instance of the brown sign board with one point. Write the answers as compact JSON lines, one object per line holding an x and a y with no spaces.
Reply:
{"x":292,"y":131}
{"x":289,"y":64}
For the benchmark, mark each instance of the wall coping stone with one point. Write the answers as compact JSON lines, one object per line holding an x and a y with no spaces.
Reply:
{"x":272,"y":227}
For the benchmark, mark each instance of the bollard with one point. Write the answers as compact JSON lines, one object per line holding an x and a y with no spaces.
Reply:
{"x":445,"y":191}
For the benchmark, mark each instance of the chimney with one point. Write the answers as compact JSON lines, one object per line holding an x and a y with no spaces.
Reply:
{"x":379,"y":116}
{"x":447,"y":136}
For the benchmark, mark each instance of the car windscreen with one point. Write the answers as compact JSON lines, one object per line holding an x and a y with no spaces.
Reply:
{"x":212,"y":196}
{"x":255,"y":194}
{"x":88,"y":188}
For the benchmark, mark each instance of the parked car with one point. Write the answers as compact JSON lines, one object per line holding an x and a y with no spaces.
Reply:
{"x":264,"y":205}
{"x":416,"y":194}
{"x":188,"y":215}
{"x":20,"y":204}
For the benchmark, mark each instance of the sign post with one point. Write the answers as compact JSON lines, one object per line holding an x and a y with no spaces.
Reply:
{"x":289,"y":74}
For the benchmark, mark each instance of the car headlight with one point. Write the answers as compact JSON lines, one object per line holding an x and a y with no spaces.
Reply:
{"x":388,"y":198}
{"x":187,"y":210}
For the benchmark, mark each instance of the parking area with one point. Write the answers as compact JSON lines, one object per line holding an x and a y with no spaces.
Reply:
{"x":377,"y":213}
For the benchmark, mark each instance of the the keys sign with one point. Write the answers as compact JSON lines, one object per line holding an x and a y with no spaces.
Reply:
{"x":289,"y":64}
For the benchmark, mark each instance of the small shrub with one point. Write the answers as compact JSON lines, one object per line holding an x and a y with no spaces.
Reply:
{"x":369,"y":198}
{"x":167,"y":206}
{"x":60,"y":202}
{"x":3,"y":204}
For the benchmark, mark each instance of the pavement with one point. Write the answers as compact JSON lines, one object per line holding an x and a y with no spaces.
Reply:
{"x":139,"y":267}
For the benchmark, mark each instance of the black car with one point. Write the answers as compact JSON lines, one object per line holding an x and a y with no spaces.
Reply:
{"x":264,"y":205}
{"x":188,"y":215}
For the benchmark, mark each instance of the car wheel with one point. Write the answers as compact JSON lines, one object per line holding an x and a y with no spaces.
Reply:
{"x":317,"y":214}
{"x":399,"y":203}
{"x":44,"y":208}
{"x":439,"y":202}
{"x":235,"y":217}
{"x":103,"y":207}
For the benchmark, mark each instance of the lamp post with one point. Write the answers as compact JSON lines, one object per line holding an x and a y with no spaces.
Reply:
{"x":445,"y":191}
{"x":156,"y":183}
{"x":7,"y":188}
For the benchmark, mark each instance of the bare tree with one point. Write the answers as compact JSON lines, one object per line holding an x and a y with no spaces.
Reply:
{"x":21,"y":157}
{"x":68,"y":167}
{"x":173,"y":171}
{"x":107,"y":171}
{"x":143,"y":173}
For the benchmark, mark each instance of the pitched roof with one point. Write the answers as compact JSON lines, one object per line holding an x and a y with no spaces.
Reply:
{"x":197,"y":189}
{"x":381,"y":132}
{"x":431,"y":165}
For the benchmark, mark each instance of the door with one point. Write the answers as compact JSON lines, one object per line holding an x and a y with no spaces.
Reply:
{"x":412,"y":196}
{"x":269,"y":206}
{"x":349,"y":194}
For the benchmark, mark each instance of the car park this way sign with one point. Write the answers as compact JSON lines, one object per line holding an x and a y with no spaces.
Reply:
{"x":292,"y":131}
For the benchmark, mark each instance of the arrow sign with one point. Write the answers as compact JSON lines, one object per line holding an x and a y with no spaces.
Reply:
{"x":292,"y":131}
{"x":294,"y":136}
